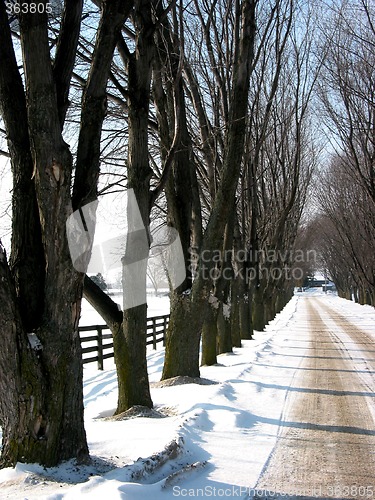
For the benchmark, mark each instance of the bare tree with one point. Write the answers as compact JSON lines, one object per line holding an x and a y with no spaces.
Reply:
{"x":347,"y":88}
{"x":129,"y":327}
{"x":346,"y":233}
{"x":347,"y":94}
{"x":41,"y":409}
{"x":182,"y":345}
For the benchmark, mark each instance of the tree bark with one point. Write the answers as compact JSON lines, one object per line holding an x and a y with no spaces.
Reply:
{"x":171,"y":112}
{"x":224,"y":338}
{"x":33,"y":429}
{"x":209,"y":336}
{"x":245,"y":310}
{"x":27,"y":261}
{"x":186,"y":318}
{"x":258,"y":318}
{"x":235,"y":313}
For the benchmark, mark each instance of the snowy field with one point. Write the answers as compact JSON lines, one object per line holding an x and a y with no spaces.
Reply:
{"x":211,"y":440}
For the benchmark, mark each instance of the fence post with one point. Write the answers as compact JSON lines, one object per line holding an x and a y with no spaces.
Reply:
{"x":154,"y":334}
{"x":100,"y":347}
{"x":165,"y":329}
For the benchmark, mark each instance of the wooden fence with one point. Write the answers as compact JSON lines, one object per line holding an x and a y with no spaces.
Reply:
{"x":102,"y":343}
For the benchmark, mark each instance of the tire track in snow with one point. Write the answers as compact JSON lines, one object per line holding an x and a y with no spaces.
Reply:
{"x":327,"y":436}
{"x":358,"y":342}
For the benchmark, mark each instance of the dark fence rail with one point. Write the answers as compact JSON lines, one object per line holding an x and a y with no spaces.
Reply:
{"x":102,"y":343}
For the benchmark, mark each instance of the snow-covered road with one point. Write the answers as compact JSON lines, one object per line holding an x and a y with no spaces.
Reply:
{"x":289,"y":415}
{"x":326,"y":446}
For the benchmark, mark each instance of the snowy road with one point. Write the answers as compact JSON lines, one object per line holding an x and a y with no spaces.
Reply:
{"x":326,"y":445}
{"x":290,"y":414}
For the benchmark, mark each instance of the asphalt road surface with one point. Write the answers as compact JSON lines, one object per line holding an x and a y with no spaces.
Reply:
{"x":326,"y":445}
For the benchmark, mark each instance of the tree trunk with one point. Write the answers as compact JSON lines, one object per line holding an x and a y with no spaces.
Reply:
{"x":134,"y":363}
{"x":224,"y":338}
{"x":241,"y":310}
{"x":42,"y":403}
{"x":258,"y":309}
{"x":132,"y":371}
{"x":269,"y":303}
{"x":246,"y":323}
{"x":182,"y":342}
{"x":235,"y":313}
{"x":22,"y":384}
{"x":209,"y":336}
{"x":109,"y":311}
{"x":27,"y":261}
{"x":47,"y":426}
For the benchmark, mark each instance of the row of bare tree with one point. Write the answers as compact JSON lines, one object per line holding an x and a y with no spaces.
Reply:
{"x":344,"y":228}
{"x":203,"y":109}
{"x":229,"y":120}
